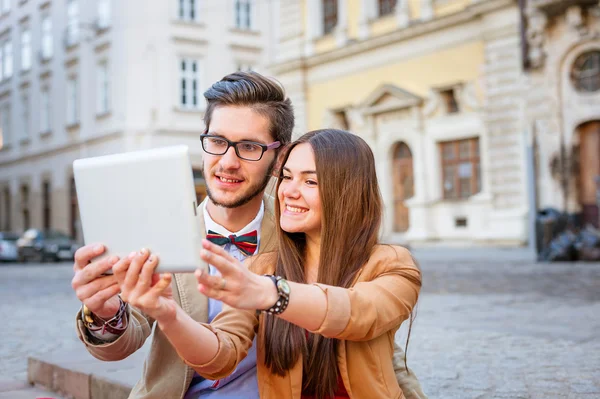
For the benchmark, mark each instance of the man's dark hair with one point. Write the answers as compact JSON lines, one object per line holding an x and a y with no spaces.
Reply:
{"x":264,"y":95}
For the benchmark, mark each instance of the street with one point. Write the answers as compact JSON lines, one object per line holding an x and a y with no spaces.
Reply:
{"x":485,"y":328}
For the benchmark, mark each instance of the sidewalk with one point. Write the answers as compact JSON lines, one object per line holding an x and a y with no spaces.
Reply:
{"x":79,"y":375}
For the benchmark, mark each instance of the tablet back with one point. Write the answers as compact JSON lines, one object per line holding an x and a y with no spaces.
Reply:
{"x":141,"y":199}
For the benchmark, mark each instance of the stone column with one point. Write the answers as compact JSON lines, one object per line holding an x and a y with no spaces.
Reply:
{"x":367,"y":13}
{"x":426,"y":10}
{"x":402,"y":13}
{"x":341,"y":29}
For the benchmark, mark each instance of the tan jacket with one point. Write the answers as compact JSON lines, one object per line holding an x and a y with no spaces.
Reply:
{"x":164,"y":375}
{"x":364,"y":318}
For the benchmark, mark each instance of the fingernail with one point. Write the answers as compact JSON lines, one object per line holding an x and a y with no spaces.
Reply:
{"x":199,"y":273}
{"x":113,"y":260}
{"x":150,"y":258}
{"x":131,"y":255}
{"x":143,"y":251}
{"x":98,"y":248}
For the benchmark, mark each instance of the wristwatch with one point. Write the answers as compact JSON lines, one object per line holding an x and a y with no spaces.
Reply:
{"x":283,"y":289}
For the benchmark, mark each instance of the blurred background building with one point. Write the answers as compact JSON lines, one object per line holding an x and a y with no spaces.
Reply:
{"x":82,"y":78}
{"x":480,"y":112}
{"x":450,"y":94}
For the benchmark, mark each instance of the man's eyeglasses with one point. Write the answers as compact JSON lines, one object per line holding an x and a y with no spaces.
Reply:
{"x":248,"y":150}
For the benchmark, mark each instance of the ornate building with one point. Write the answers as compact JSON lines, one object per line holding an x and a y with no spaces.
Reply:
{"x":561,"y":57}
{"x":436,"y":88}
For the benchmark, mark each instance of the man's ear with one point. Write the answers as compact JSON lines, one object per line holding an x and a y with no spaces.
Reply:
{"x":278,"y":162}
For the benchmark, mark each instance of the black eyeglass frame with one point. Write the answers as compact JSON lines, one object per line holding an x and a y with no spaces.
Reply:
{"x":234,"y":144}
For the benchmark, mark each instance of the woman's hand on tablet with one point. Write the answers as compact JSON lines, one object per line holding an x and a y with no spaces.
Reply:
{"x":141,"y":287}
{"x":236,"y":286}
{"x":97,"y":291}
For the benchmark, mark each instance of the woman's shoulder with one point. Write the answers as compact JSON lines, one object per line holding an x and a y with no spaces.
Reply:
{"x":263,"y":263}
{"x":388,"y":252}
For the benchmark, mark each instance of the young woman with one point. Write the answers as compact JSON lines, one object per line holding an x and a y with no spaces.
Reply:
{"x":325,"y":306}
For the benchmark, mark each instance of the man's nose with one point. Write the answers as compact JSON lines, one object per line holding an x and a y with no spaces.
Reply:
{"x":230,"y":160}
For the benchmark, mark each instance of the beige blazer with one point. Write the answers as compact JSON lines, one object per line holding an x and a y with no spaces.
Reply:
{"x":364,"y":318}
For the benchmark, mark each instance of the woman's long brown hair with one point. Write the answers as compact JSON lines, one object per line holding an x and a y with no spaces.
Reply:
{"x":351,"y":216}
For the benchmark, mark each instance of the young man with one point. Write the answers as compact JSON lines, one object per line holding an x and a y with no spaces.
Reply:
{"x":248,"y":118}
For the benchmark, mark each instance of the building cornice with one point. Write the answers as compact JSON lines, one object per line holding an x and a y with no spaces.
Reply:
{"x":60,"y":149}
{"x":420,"y":28}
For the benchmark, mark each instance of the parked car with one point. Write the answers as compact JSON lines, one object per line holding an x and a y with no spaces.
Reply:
{"x":8,"y":246}
{"x":45,"y":245}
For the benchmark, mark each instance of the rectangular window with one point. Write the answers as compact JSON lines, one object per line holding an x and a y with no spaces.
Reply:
{"x":25,"y":114}
{"x":5,"y":125}
{"x":45,"y":110}
{"x":102,"y":89}
{"x":190,"y":84}
{"x":386,"y":7}
{"x":244,"y":67}
{"x":7,"y":57}
{"x":460,"y":168}
{"x":25,"y":49}
{"x":5,"y":6}
{"x":47,"y":204}
{"x":25,"y":206}
{"x":243,"y":14}
{"x":449,"y":100}
{"x":103,"y":14}
{"x":47,"y":44}
{"x":7,"y":210}
{"x":72,"y":22}
{"x":330,"y":15}
{"x":72,"y":103}
{"x":188,"y":10}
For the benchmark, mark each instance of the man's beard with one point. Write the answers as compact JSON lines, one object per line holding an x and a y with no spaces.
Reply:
{"x":253,"y":192}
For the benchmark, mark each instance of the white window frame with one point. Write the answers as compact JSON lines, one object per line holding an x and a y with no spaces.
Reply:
{"x":185,"y":9}
{"x":244,"y":14}
{"x":72,"y":101}
{"x":72,"y":35}
{"x":7,"y":59}
{"x":104,"y":17}
{"x":25,"y":49}
{"x":102,"y":88}
{"x":190,"y":84}
{"x":47,"y":50}
{"x":45,"y":110}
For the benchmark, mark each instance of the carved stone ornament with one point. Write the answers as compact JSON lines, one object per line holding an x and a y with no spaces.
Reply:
{"x":431,"y":104}
{"x":468,"y":96}
{"x":575,"y":20}
{"x":535,"y":37}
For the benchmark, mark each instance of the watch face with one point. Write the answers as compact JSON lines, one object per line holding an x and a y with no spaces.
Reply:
{"x":283,"y":286}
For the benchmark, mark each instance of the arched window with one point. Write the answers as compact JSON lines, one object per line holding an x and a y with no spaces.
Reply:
{"x":585,"y":73}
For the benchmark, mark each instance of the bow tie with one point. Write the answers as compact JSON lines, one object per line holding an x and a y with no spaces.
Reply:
{"x":246,"y":243}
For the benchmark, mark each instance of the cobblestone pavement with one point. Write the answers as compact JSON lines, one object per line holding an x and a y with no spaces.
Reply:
{"x":484,"y":328}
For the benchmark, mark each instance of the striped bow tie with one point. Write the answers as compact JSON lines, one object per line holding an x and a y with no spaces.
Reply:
{"x":245,"y":243}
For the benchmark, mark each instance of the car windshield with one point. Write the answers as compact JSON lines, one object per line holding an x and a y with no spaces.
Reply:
{"x":9,"y":236}
{"x":55,"y":235}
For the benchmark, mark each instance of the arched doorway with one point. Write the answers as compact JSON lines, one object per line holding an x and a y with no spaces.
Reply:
{"x":403,"y":181}
{"x":589,"y":171}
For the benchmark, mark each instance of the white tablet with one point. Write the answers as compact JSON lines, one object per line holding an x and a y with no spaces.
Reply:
{"x":141,"y":199}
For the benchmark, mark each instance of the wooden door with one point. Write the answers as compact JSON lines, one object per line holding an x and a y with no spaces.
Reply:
{"x":589,"y":171}
{"x":403,"y":181}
